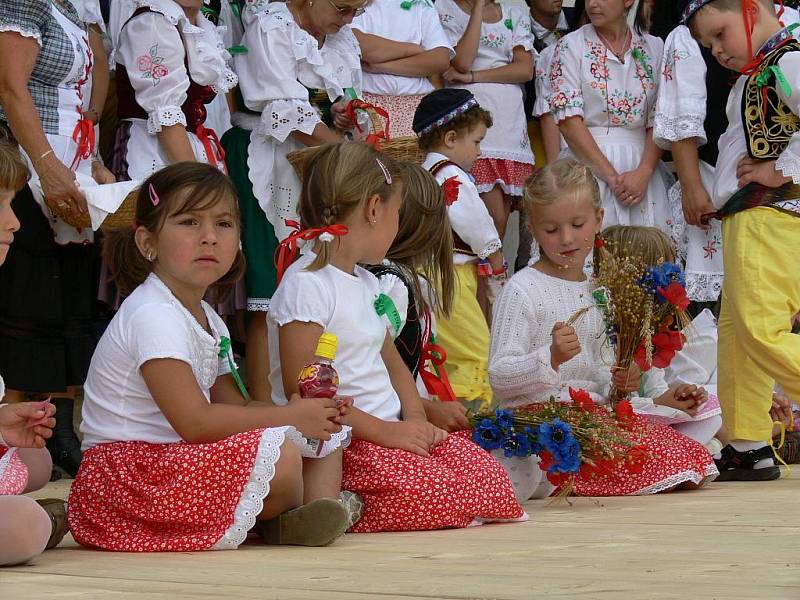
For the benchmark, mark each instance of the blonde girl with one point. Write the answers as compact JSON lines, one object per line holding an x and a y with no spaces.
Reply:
{"x":536,"y":353}
{"x":411,"y":474}
{"x":176,"y":457}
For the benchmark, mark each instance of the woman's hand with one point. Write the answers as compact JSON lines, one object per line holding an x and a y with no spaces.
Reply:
{"x":696,"y":202}
{"x":315,"y":418}
{"x":627,"y":380}
{"x":450,"y":416}
{"x":339,"y":113}
{"x":759,"y":171}
{"x":60,"y":189}
{"x":632,"y":186}
{"x":102,"y":175}
{"x":453,"y":75}
{"x":27,"y":424}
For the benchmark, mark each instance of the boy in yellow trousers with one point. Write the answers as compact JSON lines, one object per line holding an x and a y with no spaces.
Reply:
{"x":757,"y":194}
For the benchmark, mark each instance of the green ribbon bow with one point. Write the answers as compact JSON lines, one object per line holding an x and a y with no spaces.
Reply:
{"x":764,"y":78}
{"x":643,"y":60}
{"x":234,"y":50}
{"x":235,"y":9}
{"x":384,"y":305}
{"x":509,"y":24}
{"x":225,"y":351}
{"x":407,"y":4}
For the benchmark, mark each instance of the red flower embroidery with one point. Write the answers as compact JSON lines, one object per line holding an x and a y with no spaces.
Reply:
{"x":150,"y":65}
{"x":581,"y":398}
{"x":675,"y":294}
{"x":451,"y":187}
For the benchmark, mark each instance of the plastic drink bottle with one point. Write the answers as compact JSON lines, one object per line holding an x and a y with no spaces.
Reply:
{"x":319,"y":379}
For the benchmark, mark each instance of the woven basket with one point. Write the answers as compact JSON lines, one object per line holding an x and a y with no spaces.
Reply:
{"x":401,"y":148}
{"x":124,"y":216}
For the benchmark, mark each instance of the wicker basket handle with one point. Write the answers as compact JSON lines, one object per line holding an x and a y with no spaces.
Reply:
{"x":378,"y":117}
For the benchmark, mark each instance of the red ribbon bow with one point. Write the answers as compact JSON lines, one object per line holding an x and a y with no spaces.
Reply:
{"x":287,"y":249}
{"x":374,"y":139}
{"x":436,"y":383}
{"x":83,"y":135}
{"x":451,"y":187}
{"x":211,"y":144}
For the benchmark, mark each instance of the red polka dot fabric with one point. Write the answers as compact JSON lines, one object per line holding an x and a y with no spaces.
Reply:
{"x":13,"y":472}
{"x":140,"y":497}
{"x":488,"y":171}
{"x":458,"y":484}
{"x":670,"y":459}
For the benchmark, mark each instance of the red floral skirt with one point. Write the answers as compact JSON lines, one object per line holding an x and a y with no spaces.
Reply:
{"x":140,"y":497}
{"x":459,"y":484}
{"x":510,"y":175}
{"x":669,"y":459}
{"x":13,"y":472}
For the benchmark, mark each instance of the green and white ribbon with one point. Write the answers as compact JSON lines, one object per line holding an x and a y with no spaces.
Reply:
{"x":384,"y":306}
{"x":225,"y":351}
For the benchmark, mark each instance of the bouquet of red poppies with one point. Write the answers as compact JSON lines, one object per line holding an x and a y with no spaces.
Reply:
{"x":644,"y":308}
{"x":578,"y":439}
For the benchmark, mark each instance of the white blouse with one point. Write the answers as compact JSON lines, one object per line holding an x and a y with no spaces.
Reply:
{"x":541,"y":81}
{"x":589,"y":81}
{"x":343,"y":304}
{"x":468,"y":215}
{"x":150,"y":324}
{"x":681,"y":104}
{"x":155,"y":54}
{"x":412,"y":21}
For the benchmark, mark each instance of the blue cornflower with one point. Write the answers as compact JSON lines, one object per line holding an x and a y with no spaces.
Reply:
{"x":505,"y":419}
{"x":533,"y":440}
{"x":568,"y":459}
{"x":487,"y":435}
{"x":555,"y":435}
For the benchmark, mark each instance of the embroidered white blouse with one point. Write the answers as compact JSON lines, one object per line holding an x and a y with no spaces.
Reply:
{"x":282,"y":63}
{"x":468,"y":215}
{"x":413,"y":21}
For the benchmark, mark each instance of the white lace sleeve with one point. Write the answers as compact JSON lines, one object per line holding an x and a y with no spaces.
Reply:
{"x":566,"y":98}
{"x":152,"y":51}
{"x":469,"y":217}
{"x":268,"y":79}
{"x":681,"y":105}
{"x":518,"y":372}
{"x":25,"y":17}
{"x":521,"y":34}
{"x":788,"y":162}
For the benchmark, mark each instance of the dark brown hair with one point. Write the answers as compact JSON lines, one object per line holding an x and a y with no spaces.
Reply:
{"x":424,"y":242}
{"x":180,"y":188}
{"x":464,"y":122}
{"x":337,"y":179}
{"x":14,"y":172}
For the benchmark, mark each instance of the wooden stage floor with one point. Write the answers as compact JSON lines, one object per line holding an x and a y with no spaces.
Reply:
{"x":729,"y":540}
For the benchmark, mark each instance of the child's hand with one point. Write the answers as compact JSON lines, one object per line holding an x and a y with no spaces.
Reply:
{"x":315,"y":418}
{"x":696,"y":202}
{"x":686,"y":391}
{"x":627,"y":380}
{"x":760,"y":171}
{"x":450,"y":416}
{"x":27,"y":424}
{"x":781,"y":410}
{"x":414,"y":436}
{"x":687,"y":404}
{"x":344,"y":404}
{"x":565,"y":345}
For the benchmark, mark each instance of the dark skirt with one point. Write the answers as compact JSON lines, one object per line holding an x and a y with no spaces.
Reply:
{"x":47,"y":305}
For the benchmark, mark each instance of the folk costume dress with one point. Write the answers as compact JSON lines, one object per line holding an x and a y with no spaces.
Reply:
{"x":13,"y":472}
{"x":680,"y":115}
{"x":411,"y":21}
{"x":760,"y":227}
{"x":282,"y":66}
{"x":47,"y":283}
{"x":616,"y":101}
{"x":141,"y":488}
{"x":506,"y":156}
{"x":521,"y":374}
{"x":168,"y":70}
{"x":465,"y":334}
{"x":457,"y":485}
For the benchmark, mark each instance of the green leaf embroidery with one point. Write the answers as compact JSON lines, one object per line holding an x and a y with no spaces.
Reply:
{"x":509,"y":24}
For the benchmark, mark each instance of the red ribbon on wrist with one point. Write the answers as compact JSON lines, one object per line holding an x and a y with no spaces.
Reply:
{"x":287,"y":250}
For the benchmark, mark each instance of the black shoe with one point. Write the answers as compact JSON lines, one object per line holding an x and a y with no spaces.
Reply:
{"x":738,"y":466}
{"x":64,"y":446}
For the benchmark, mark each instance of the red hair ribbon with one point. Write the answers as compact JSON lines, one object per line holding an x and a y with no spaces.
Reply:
{"x":287,"y":249}
{"x":374,"y":139}
{"x":451,"y":187}
{"x":83,"y":135}
{"x":212,"y":146}
{"x":749,"y":25}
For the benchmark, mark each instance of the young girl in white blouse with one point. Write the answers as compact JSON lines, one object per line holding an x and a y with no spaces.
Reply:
{"x":176,"y":457}
{"x":410,"y":474}
{"x":494,"y":56}
{"x":171,"y":63}
{"x":536,"y":354}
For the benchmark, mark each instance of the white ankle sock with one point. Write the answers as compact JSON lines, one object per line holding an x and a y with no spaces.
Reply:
{"x":746,"y":445}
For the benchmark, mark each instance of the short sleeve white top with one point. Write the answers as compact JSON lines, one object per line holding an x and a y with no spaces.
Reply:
{"x":468,"y":215}
{"x":681,"y":104}
{"x":150,"y":324}
{"x":343,"y":304}
{"x":412,"y":21}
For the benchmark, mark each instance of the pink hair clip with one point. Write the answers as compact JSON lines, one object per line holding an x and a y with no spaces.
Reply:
{"x":153,"y":196}
{"x":386,"y":174}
